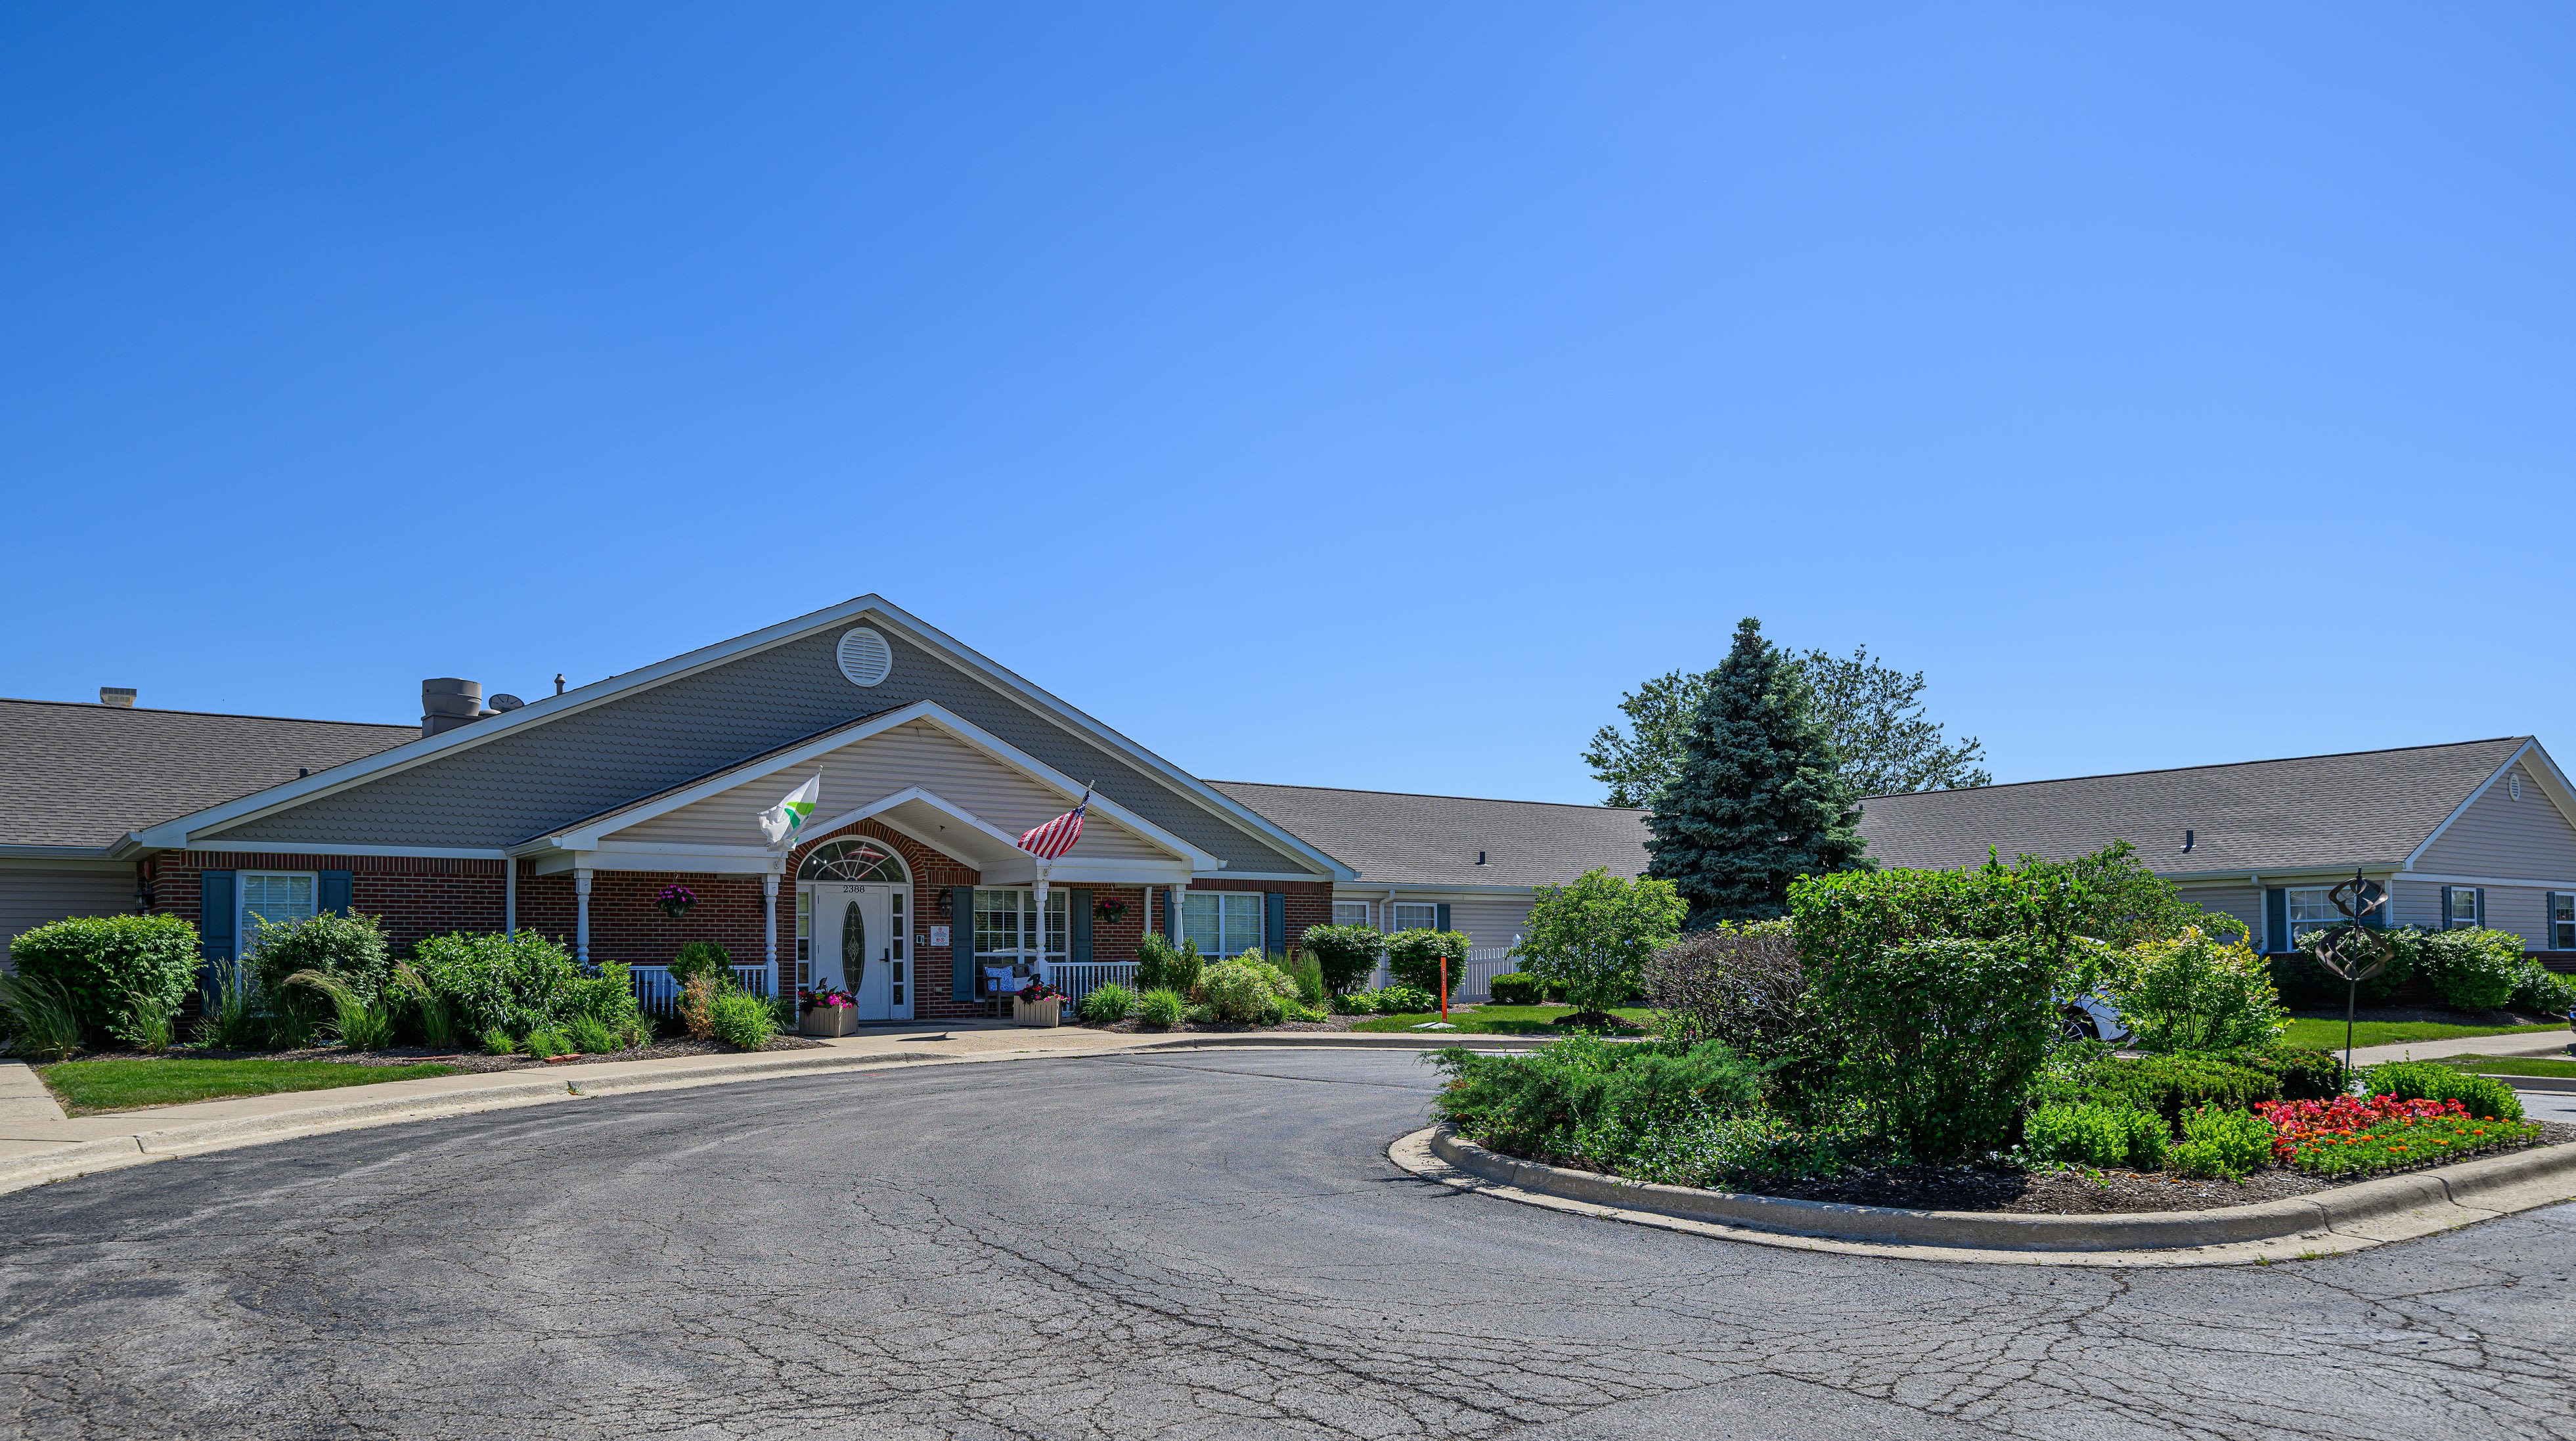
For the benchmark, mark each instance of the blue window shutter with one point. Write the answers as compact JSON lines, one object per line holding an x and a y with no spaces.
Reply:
{"x":331,"y":892}
{"x":2446,"y":909}
{"x":1077,"y":909}
{"x":1274,"y":923}
{"x":1440,"y":916}
{"x":215,"y":914}
{"x":2276,"y":919}
{"x":2375,"y":894}
{"x":961,"y":942}
{"x":2478,"y":903}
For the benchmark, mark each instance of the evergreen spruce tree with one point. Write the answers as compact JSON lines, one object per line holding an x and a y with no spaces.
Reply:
{"x":1758,"y":801}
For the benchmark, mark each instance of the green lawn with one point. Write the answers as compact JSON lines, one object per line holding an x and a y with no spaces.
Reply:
{"x":2329,"y":1034}
{"x":2512,"y":1065}
{"x":1500,"y":1020}
{"x":88,"y":1087}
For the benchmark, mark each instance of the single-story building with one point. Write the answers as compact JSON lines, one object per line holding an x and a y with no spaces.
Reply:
{"x":573,"y":814}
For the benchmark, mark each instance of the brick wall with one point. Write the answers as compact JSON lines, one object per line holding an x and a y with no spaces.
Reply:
{"x":415,"y":895}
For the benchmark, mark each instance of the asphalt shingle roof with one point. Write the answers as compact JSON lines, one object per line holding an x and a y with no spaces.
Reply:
{"x":2337,"y":810}
{"x":84,"y":775}
{"x":1397,"y":839}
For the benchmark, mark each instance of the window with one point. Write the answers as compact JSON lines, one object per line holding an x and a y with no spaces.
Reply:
{"x":1351,"y":913}
{"x":1223,"y":923}
{"x":804,"y":936}
{"x":2562,"y":921}
{"x":280,"y":898}
{"x":2311,"y":908}
{"x":2464,"y":906}
{"x":1006,"y":926}
{"x":853,"y":860}
{"x":1413,"y":916}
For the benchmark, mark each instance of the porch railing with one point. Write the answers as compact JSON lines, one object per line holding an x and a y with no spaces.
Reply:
{"x":656,"y":992}
{"x":1078,"y":981}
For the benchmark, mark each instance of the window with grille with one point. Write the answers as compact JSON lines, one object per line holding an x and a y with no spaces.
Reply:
{"x":280,"y":898}
{"x":2562,"y":920}
{"x":2311,"y":909}
{"x":1006,"y":926}
{"x":1413,"y":916}
{"x":1351,"y":913}
{"x":1223,"y":923}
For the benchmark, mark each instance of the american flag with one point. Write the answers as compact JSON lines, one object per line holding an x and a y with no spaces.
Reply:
{"x":1057,"y":836}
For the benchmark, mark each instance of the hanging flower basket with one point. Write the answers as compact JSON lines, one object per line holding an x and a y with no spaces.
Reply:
{"x":676,"y":900}
{"x":1109,"y":912}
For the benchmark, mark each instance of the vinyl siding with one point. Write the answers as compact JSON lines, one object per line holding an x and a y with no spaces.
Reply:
{"x":1486,"y":919}
{"x":2415,"y":903}
{"x":2500,"y":836}
{"x":915,"y":754}
{"x":2243,"y":902}
{"x":31,"y":896}
{"x":525,"y":783}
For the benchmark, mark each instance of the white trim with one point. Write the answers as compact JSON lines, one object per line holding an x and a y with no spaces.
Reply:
{"x":335,"y":848}
{"x":555,"y":863}
{"x":2429,"y":878}
{"x":173,"y":834}
{"x":593,"y":832}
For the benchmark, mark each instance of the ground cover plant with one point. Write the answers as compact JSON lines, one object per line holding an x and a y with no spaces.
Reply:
{"x":1107,"y":1005}
{"x":121,"y":1083}
{"x":1160,"y":1009}
{"x":1516,"y":1020}
{"x":2354,"y":1135}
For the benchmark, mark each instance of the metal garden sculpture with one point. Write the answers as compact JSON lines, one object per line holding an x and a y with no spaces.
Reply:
{"x":2354,"y":950}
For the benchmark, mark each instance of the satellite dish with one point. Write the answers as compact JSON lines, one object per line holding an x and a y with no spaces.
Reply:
{"x":506,"y":701}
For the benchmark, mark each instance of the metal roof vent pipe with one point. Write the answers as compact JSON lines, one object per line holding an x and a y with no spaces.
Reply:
{"x":448,"y":703}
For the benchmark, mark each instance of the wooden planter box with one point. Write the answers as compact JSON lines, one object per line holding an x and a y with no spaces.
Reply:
{"x":1049,"y":1012}
{"x":830,"y":1021}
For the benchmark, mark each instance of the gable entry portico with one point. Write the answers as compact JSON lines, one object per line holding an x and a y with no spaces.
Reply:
{"x":919,"y":772}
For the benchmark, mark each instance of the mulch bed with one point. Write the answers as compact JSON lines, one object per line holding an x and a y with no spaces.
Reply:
{"x":2069,"y":1192}
{"x":464,"y":1060}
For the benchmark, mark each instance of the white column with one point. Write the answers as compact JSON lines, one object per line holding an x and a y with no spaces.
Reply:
{"x":510,"y":895}
{"x":581,"y":916}
{"x":769,"y":921}
{"x":1046,"y":972}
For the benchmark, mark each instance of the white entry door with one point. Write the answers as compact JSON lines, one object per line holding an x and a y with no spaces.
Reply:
{"x":859,"y":947}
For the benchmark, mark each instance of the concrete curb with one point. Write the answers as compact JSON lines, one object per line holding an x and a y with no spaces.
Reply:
{"x":2365,"y":1213}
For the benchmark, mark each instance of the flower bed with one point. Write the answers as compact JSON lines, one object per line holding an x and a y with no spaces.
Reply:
{"x":2350,"y":1136}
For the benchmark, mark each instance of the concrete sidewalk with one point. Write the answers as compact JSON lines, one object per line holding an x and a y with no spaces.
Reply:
{"x":38,"y":1143}
{"x":2528,"y":1043}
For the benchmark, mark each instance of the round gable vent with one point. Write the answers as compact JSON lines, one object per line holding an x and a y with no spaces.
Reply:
{"x":865,"y":656}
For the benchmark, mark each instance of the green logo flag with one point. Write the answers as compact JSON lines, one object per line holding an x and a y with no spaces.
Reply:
{"x":781,"y":822}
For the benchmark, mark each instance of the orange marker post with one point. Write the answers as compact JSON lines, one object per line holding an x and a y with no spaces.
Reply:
{"x":1444,"y":988}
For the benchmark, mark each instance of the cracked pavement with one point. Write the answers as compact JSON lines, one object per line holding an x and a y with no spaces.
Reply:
{"x":1207,"y":1245}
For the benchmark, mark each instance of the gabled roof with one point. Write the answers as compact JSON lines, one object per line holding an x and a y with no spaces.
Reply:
{"x":1393,"y":838}
{"x":80,"y":776}
{"x":2373,"y":808}
{"x":487,"y":786}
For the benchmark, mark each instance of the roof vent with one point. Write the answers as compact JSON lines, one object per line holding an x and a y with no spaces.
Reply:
{"x":865,"y":657}
{"x":448,"y":702}
{"x":1480,"y":858}
{"x":506,"y":702}
{"x":2186,"y":840}
{"x":119,"y":696}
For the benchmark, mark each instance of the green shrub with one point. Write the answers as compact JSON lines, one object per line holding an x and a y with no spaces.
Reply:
{"x":1183,"y":968}
{"x":1743,"y":985}
{"x":516,"y":983}
{"x":232,"y":1019}
{"x":2084,"y":1135}
{"x":546,"y":1042}
{"x":1515,"y":989}
{"x":2302,"y":1073}
{"x":38,"y":1016}
{"x":1937,"y":990}
{"x":423,"y":1011}
{"x":1413,"y":957}
{"x":2473,"y":969}
{"x":608,"y":997}
{"x":1245,"y":991}
{"x":1391,"y":1001}
{"x":2538,"y":990}
{"x":591,"y":1037}
{"x":1586,"y":1099}
{"x":1593,"y":935}
{"x":1347,"y":954}
{"x":782,"y":1014}
{"x":702,"y":958}
{"x":2433,"y":1081}
{"x":742,"y":1020}
{"x":2194,"y":992}
{"x":2170,"y":1086}
{"x":1154,"y":953}
{"x":1106,"y":1006}
{"x":497,"y":1042}
{"x":2219,"y":1142}
{"x":1159,"y":1009}
{"x":116,"y":971}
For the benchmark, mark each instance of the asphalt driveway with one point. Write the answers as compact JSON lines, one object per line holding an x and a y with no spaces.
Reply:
{"x":1207,"y":1245}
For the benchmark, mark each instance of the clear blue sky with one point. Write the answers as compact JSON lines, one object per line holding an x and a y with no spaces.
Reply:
{"x":1356,"y":395}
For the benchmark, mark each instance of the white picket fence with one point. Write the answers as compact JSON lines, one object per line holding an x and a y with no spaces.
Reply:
{"x":1483,"y":964}
{"x":657,"y":993}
